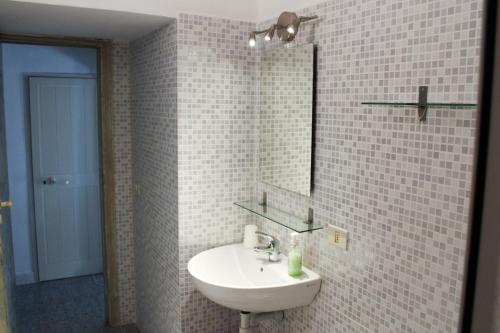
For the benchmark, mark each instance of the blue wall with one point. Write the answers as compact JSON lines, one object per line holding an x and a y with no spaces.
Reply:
{"x":18,"y":61}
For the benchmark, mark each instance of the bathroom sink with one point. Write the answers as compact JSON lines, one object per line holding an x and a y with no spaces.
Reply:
{"x":241,"y":279}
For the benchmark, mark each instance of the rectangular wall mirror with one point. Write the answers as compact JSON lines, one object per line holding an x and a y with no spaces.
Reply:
{"x":286,"y":116}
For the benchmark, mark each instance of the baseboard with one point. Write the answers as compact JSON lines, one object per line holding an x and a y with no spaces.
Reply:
{"x":25,"y":278}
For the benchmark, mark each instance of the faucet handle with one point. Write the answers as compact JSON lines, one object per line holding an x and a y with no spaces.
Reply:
{"x":272,"y":248}
{"x":266,"y":236}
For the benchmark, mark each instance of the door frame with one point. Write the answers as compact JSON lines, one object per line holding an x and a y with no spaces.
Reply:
{"x":105,"y":89}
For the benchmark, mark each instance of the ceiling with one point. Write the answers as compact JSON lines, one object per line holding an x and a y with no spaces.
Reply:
{"x":126,"y":19}
{"x":42,"y":19}
{"x":244,"y":10}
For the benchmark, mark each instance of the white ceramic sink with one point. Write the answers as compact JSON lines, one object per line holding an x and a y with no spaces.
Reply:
{"x":241,"y":279}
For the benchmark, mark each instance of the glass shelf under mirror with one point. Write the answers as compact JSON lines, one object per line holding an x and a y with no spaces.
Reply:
{"x":429,"y":105}
{"x":285,"y":219}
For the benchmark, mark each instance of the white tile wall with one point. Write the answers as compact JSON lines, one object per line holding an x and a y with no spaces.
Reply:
{"x":123,"y":182}
{"x":216,"y":136}
{"x":400,"y":187}
{"x":153,"y":63}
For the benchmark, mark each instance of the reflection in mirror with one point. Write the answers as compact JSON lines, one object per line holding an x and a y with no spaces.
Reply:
{"x":286,"y":110}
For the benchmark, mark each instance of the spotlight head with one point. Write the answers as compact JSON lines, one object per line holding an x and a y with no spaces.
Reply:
{"x":293,"y":28}
{"x":251,"y":39}
{"x":270,"y":33}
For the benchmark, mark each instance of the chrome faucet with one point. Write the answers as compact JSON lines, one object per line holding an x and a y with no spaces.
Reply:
{"x":272,"y":247}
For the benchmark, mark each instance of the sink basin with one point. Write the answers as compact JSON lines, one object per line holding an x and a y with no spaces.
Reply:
{"x":242,"y":279}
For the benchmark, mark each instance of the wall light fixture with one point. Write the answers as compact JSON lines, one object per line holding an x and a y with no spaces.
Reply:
{"x":286,"y":28}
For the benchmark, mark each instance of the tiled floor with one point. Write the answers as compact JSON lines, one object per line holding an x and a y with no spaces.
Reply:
{"x":73,"y":305}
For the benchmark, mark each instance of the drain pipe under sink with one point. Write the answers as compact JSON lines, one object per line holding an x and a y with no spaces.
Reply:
{"x":250,"y":321}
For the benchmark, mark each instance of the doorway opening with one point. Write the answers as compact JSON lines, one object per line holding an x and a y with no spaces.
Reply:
{"x":57,"y":120}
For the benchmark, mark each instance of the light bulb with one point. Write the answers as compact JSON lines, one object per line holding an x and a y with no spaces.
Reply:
{"x":270,"y":33}
{"x":251,"y":40}
{"x":293,"y":28}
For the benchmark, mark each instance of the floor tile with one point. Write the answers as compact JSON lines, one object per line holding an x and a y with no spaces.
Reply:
{"x":74,"y":305}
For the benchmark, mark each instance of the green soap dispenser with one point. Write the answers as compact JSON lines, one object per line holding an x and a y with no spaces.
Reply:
{"x":294,"y":256}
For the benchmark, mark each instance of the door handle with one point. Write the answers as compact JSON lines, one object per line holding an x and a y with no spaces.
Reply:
{"x":49,"y":181}
{"x":5,"y":204}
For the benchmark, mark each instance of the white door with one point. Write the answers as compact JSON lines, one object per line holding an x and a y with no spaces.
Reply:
{"x":65,"y":153}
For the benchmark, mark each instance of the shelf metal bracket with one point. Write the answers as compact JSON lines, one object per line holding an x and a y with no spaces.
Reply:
{"x":422,"y":102}
{"x":310,"y":218}
{"x":263,"y":199}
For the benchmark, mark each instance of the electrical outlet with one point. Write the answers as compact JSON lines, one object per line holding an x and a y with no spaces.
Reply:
{"x":338,"y":236}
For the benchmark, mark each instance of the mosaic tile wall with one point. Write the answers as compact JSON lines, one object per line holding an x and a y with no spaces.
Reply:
{"x":123,"y":181}
{"x":400,"y":187}
{"x":217,"y":141}
{"x":153,"y":64}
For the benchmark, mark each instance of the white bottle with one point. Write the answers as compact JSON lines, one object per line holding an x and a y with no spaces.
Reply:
{"x":250,"y":237}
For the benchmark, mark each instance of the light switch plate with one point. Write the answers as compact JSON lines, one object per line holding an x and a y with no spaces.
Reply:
{"x":338,"y":236}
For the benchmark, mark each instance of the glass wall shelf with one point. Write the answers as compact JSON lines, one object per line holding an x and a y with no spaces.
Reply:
{"x":429,"y":105}
{"x":285,"y":219}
